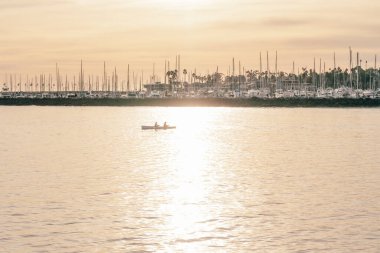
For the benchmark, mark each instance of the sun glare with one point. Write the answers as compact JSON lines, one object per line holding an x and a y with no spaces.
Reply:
{"x":189,"y":191}
{"x":184,"y":3}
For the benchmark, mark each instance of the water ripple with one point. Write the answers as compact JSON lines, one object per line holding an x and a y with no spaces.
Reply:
{"x":226,"y":180}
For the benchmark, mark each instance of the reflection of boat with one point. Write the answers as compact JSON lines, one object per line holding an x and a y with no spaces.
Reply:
{"x":157,"y":128}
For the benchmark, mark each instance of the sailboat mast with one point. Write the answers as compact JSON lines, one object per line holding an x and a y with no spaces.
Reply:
{"x":81,"y":77}
{"x":128,"y":79}
{"x":239,"y":76}
{"x":276,"y":76}
{"x":176,"y":62}
{"x":267,"y":68}
{"x":142,"y":79}
{"x":357,"y":70}
{"x":56,"y":74}
{"x":116,"y":81}
{"x":320,"y":73}
{"x":154,"y":76}
{"x":350,"y":67}
{"x":179,"y":68}
{"x":314,"y":74}
{"x":376,"y":74}
{"x":293,"y":77}
{"x":233,"y":74}
{"x":324,"y":75}
{"x":165,"y":73}
{"x":334,"y":71}
{"x":261,"y":71}
{"x":104,"y":77}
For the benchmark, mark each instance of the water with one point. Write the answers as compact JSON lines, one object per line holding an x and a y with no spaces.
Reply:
{"x":226,"y":180}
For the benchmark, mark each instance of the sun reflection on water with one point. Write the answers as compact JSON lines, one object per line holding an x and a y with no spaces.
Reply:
{"x":189,"y":184}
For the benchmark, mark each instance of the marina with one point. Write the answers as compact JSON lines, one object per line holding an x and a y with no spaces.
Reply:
{"x":191,"y":126}
{"x":354,"y":81}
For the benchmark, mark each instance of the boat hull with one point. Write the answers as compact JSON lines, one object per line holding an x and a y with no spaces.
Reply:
{"x":157,"y":128}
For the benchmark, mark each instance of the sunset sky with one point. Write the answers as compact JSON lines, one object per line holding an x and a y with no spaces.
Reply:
{"x":35,"y":34}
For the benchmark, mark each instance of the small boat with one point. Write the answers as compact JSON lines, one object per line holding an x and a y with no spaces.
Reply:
{"x":157,"y":127}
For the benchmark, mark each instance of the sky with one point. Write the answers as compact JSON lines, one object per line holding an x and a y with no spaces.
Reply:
{"x":37,"y":34}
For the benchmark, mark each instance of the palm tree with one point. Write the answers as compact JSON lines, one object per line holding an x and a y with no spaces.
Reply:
{"x":184,"y":74}
{"x":172,"y":76}
{"x":194,"y":76}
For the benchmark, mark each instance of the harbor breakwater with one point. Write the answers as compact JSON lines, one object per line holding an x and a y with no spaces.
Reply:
{"x":196,"y":102}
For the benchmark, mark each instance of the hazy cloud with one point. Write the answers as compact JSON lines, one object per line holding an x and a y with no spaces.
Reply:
{"x":208,"y":33}
{"x":336,"y":41}
{"x":285,"y":21}
{"x":20,"y":4}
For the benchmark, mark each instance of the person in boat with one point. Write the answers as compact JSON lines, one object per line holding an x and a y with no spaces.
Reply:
{"x":156,"y":125}
{"x":165,"y":125}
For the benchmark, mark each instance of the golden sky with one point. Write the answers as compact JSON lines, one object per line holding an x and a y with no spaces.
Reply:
{"x":35,"y":34}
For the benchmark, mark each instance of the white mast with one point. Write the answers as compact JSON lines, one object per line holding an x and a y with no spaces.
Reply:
{"x":179,"y":67}
{"x":153,"y":77}
{"x":334,"y":72}
{"x":324,"y":75}
{"x":350,"y":67}
{"x":376,"y":73}
{"x":276,"y":74}
{"x":357,"y":70}
{"x":313,"y":80}
{"x":320,"y":73}
{"x":165,"y":73}
{"x":267,"y":68}
{"x":261,"y":70}
{"x":128,"y":79}
{"x":104,"y":77}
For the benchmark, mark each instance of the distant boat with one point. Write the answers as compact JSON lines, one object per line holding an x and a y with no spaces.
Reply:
{"x":157,"y":127}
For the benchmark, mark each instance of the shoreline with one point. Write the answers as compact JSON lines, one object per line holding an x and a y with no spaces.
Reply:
{"x":194,"y":102}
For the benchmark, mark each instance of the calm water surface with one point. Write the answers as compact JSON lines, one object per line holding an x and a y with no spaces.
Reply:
{"x":226,"y":180}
